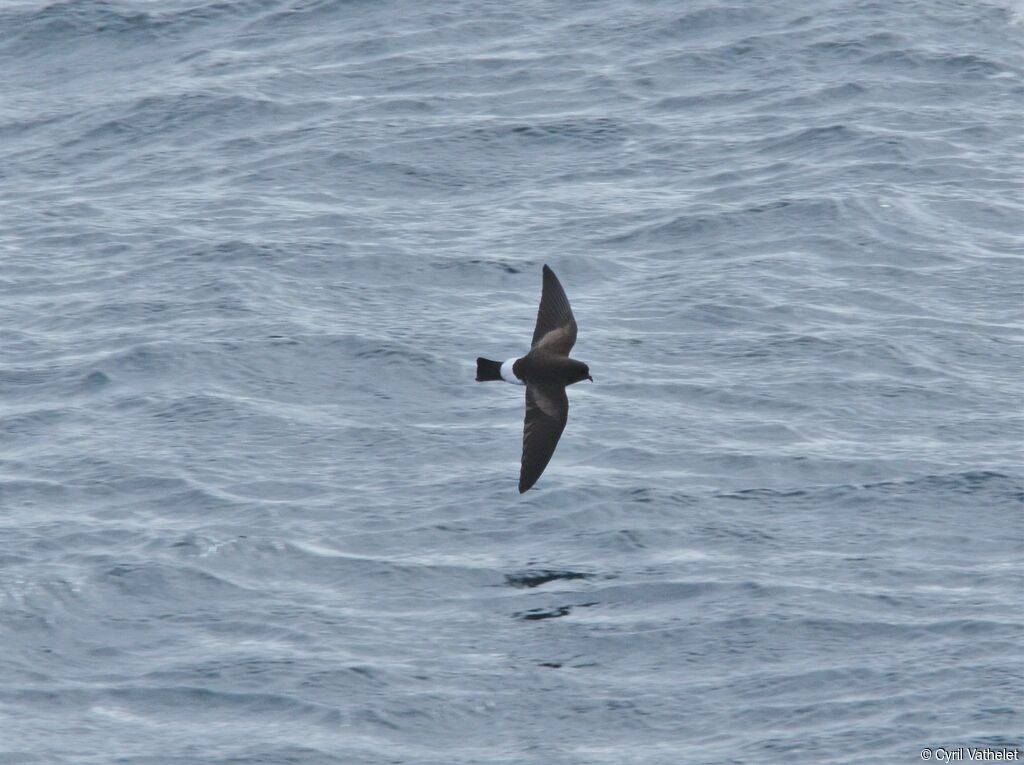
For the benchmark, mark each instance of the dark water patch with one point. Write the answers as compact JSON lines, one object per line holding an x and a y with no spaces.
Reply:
{"x":593,"y":130}
{"x":529,"y":579}
{"x":540,"y":614}
{"x":760,"y":494}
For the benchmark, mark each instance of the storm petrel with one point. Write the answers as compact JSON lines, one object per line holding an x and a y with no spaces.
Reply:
{"x":545,"y":371}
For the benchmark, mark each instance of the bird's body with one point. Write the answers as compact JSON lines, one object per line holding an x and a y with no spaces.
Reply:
{"x":542,"y":367}
{"x":545,"y":371}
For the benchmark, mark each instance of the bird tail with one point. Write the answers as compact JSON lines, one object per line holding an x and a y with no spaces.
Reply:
{"x":487,"y":370}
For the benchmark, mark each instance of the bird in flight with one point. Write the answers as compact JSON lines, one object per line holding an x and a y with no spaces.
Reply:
{"x":545,"y":371}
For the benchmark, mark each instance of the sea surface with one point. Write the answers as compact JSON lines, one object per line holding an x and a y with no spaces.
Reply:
{"x":255,"y":509}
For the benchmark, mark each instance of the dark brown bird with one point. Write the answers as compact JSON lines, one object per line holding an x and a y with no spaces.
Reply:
{"x":545,"y":371}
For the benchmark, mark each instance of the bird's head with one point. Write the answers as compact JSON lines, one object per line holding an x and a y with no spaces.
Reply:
{"x":582,"y":373}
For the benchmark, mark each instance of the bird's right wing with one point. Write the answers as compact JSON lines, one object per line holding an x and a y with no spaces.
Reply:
{"x":556,"y":326}
{"x":547,"y":409}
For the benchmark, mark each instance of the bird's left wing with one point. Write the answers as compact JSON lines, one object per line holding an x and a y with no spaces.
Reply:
{"x":547,"y":409}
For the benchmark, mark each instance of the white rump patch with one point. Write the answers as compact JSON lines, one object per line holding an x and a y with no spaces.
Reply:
{"x":508,"y":375}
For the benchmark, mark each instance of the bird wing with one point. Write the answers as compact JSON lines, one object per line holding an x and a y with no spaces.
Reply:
{"x":556,"y":326}
{"x":547,"y":409}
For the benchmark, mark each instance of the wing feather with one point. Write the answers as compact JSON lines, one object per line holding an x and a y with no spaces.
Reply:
{"x":556,"y":326}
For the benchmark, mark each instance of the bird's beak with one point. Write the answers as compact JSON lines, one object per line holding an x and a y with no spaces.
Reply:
{"x":590,"y":378}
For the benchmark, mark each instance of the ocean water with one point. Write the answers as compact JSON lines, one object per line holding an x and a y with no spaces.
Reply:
{"x":254,"y":508}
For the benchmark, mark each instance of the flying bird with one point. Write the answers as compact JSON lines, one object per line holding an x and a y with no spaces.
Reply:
{"x":545,"y":371}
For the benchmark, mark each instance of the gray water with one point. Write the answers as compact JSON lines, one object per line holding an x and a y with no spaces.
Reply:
{"x":254,"y":508}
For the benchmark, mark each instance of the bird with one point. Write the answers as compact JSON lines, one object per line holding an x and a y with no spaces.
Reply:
{"x":546,"y":371}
